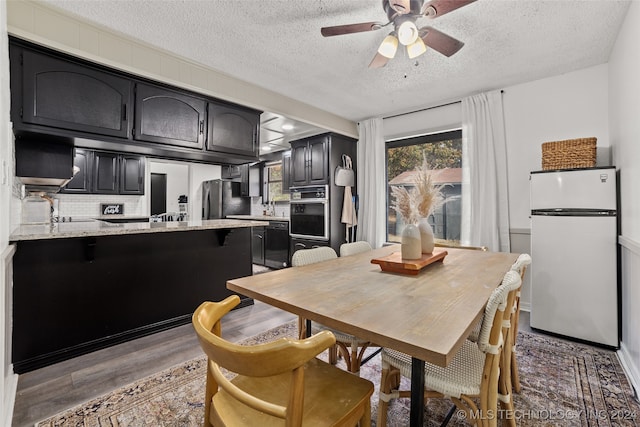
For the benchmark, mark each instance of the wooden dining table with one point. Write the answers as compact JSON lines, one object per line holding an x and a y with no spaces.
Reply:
{"x":428,"y":315}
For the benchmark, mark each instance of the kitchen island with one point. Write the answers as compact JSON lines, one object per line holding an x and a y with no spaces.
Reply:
{"x":82,"y":286}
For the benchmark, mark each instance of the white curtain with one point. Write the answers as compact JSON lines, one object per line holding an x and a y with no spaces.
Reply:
{"x":485,"y":207}
{"x":372,"y":186}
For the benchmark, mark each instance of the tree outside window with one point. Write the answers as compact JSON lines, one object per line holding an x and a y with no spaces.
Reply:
{"x":274,"y":184}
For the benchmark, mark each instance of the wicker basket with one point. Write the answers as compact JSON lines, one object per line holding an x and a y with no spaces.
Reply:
{"x":569,"y":154}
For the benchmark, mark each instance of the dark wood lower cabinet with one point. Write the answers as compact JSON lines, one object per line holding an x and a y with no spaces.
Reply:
{"x":74,"y":296}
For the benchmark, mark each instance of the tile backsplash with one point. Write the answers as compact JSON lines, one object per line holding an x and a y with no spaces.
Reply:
{"x":281,"y":208}
{"x":84,"y":205}
{"x":88,"y":205}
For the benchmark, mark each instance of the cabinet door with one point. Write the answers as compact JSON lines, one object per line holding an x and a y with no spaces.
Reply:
{"x":256,"y":180}
{"x":71,"y":96}
{"x":168,"y":117}
{"x":244,"y":180}
{"x":131,"y":174}
{"x":297,"y":244}
{"x":231,"y":172}
{"x":318,"y":165}
{"x":299,"y":164}
{"x":257,"y":245}
{"x":233,"y":130}
{"x":106,"y":174}
{"x":81,"y":182}
{"x":286,"y":171}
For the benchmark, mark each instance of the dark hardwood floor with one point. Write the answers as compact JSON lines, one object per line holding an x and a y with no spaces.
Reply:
{"x":47,"y":391}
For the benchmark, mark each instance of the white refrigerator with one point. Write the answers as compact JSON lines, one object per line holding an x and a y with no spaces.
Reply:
{"x":574,"y":273}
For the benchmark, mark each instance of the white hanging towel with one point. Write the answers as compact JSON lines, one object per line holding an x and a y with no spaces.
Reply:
{"x":348,"y":212}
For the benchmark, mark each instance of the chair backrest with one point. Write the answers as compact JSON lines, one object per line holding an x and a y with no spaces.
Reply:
{"x":261,"y":360}
{"x":311,"y":256}
{"x":502,"y":297}
{"x":353,"y":248}
{"x":521,"y":264}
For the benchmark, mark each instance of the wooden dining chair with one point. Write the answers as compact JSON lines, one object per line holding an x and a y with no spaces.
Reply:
{"x":277,"y":383}
{"x":472,"y":374}
{"x":520,"y":266}
{"x":350,"y":347}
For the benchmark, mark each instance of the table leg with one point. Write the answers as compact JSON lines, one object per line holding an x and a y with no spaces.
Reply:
{"x":308,"y":323}
{"x":416,"y":418}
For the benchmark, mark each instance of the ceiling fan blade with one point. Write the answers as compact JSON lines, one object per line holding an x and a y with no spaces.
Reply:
{"x":440,"y":41}
{"x":435,"y":8}
{"x":339,"y":30}
{"x":378,"y":61}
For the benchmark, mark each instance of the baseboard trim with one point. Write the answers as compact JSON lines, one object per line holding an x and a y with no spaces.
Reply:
{"x":10,"y":390}
{"x":525,"y":306}
{"x":632,"y":371}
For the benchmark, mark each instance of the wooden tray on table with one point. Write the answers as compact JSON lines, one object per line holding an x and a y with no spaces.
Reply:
{"x":395,"y":264}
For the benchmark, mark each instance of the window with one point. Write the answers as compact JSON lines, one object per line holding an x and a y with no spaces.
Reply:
{"x":274,"y":183}
{"x":443,"y":152}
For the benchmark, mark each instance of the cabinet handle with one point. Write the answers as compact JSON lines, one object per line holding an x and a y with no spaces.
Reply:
{"x":259,"y":236}
{"x":124,"y":112}
{"x":300,"y":245}
{"x":201,"y":126}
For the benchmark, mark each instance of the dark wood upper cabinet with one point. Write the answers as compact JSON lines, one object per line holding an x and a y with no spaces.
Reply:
{"x":81,"y":182}
{"x":310,"y":161}
{"x":131,"y":174}
{"x":66,"y":95}
{"x":233,"y":130}
{"x":106,"y":173}
{"x":169,"y":117}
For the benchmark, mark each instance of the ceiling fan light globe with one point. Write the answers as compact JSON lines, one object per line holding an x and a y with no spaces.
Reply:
{"x":407,"y":33}
{"x":416,"y":48}
{"x":388,"y":47}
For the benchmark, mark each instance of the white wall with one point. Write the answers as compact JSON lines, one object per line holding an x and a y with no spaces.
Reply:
{"x":9,"y":379}
{"x":566,"y":106}
{"x":177,"y":182}
{"x":624,"y":101}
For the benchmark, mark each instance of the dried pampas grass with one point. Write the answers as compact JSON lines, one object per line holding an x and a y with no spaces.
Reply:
{"x":420,"y":201}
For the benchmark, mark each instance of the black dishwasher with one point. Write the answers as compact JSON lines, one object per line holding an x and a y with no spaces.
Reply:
{"x":276,"y":244}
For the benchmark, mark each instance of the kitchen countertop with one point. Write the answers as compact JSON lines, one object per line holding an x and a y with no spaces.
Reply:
{"x":99,"y":228}
{"x":260,"y":217}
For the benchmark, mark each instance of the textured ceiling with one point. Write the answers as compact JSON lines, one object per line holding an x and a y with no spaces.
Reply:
{"x":277,"y":44}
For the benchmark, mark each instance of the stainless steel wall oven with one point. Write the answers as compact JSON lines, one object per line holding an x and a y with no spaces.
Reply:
{"x":309,"y":215}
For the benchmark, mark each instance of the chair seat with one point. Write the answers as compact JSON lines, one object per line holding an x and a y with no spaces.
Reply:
{"x":462,"y":376}
{"x":331,"y":397}
{"x":340,"y":336}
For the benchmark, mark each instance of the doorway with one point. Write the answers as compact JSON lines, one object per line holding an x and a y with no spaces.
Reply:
{"x":158,"y":193}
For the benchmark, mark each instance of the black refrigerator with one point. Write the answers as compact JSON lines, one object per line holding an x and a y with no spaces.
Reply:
{"x":221,"y":198}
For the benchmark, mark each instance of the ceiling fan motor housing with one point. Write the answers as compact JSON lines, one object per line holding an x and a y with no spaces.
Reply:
{"x":402,"y":7}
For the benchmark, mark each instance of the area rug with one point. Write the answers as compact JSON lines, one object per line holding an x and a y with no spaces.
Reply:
{"x":563,"y":384}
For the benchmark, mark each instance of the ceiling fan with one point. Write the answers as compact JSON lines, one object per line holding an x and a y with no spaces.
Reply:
{"x":403,"y":14}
